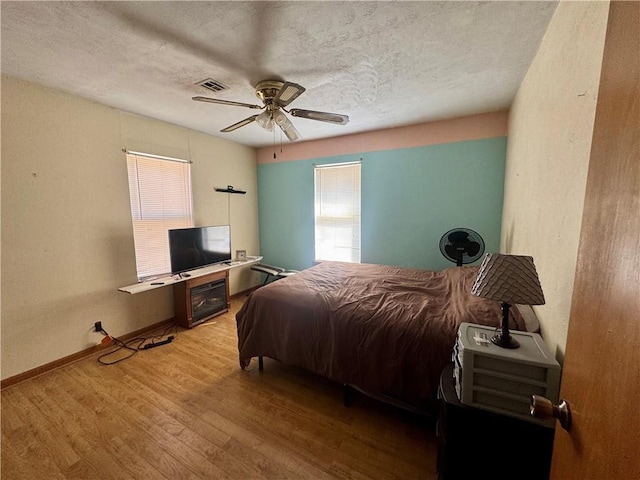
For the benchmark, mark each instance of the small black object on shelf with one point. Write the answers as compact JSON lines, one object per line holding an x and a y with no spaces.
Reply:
{"x":230,"y":189}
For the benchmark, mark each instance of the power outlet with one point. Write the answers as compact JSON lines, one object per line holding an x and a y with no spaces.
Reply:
{"x":97,"y":327}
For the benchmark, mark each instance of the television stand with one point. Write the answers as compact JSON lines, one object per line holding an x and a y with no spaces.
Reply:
{"x":198,"y":299}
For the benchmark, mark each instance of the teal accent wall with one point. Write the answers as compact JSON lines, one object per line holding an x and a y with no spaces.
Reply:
{"x":410,"y":198}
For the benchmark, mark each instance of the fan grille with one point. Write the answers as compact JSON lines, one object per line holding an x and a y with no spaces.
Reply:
{"x":462,"y":246}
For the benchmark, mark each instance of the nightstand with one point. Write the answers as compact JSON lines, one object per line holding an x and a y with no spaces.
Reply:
{"x":476,"y":443}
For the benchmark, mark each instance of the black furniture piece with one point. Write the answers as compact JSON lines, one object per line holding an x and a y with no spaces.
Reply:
{"x":272,"y":273}
{"x":475,"y":443}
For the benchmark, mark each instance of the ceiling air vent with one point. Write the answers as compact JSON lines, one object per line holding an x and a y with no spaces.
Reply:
{"x":212,"y":85}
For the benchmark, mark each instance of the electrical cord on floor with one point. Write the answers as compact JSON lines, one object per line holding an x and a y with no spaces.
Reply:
{"x":134,"y":345}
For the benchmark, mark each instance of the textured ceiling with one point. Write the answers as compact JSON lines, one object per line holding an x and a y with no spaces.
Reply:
{"x":384,"y":64}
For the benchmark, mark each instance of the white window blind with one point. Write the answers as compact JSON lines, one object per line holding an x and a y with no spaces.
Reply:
{"x":337,"y":212}
{"x":160,"y":194}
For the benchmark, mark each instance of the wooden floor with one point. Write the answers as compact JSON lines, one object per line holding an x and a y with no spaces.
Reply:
{"x":187,"y":411}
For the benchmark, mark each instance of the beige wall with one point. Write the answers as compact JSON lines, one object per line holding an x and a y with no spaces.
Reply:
{"x":549,"y":142}
{"x":67,"y":239}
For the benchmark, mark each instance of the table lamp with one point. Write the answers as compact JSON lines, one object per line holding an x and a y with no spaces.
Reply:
{"x":508,"y":279}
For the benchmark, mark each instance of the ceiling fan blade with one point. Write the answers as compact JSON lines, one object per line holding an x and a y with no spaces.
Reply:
{"x":225,"y":102}
{"x":286,"y":126}
{"x":241,"y":123}
{"x":288,"y":93}
{"x":336,"y":118}
{"x":291,"y":132}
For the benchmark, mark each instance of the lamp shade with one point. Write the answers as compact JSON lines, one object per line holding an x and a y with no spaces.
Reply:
{"x":509,"y":279}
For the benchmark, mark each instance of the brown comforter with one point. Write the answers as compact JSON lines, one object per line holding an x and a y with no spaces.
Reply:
{"x":386,"y":330}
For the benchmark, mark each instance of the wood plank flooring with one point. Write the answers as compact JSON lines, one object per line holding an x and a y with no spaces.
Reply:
{"x":187,"y":411}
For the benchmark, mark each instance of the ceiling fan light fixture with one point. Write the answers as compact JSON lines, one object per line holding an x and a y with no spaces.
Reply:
{"x":286,"y":126}
{"x":265,"y":120}
{"x":279,"y":118}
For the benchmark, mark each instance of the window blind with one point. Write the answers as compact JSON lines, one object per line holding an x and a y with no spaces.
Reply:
{"x":337,"y":212}
{"x":160,"y":194}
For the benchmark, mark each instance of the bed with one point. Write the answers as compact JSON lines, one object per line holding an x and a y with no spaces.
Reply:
{"x":387,"y":331}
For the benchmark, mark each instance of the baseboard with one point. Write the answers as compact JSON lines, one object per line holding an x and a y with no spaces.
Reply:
{"x":244,"y":293}
{"x":61,"y":362}
{"x":21,"y":377}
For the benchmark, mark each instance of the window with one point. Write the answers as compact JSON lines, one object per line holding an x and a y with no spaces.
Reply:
{"x":160,"y":194}
{"x":337,"y":212}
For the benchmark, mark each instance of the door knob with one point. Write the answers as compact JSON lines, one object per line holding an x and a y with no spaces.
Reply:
{"x":544,"y":408}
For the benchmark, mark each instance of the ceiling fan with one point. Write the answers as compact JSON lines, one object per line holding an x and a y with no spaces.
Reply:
{"x":276,"y":95}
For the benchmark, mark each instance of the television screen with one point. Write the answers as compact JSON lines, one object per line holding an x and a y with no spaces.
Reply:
{"x":191,"y":248}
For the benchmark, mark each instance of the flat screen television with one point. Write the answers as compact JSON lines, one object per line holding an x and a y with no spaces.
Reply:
{"x":191,"y":248}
